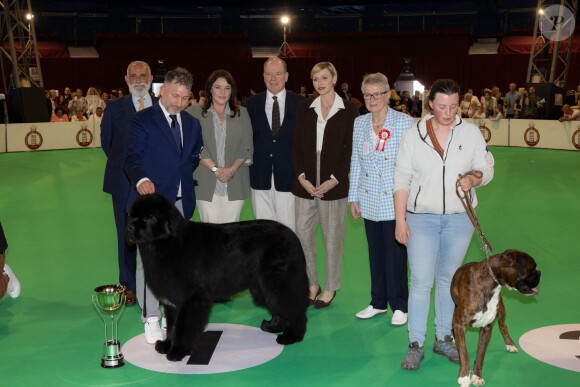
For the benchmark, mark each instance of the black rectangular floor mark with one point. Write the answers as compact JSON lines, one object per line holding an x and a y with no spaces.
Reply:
{"x":207,"y":344}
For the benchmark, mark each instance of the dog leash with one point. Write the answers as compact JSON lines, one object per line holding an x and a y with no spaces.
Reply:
{"x":471,"y":213}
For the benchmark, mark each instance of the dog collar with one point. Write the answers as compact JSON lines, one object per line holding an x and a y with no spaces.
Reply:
{"x":491,"y":272}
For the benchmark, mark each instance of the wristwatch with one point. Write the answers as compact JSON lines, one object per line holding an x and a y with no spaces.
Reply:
{"x":214,"y":168}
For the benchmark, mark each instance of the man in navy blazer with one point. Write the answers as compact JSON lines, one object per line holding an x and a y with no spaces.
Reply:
{"x":271,"y":173}
{"x":162,"y":152}
{"x":114,"y":128}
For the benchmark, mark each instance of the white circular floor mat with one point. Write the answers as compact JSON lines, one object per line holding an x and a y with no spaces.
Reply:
{"x":557,"y":345}
{"x":239,"y":347}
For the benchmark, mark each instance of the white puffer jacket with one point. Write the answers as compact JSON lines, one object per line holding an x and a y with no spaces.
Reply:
{"x":429,"y":178}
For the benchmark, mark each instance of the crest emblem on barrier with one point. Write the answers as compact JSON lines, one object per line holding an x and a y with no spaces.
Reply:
{"x":33,"y":139}
{"x":576,"y":138}
{"x":485,"y":132}
{"x":84,"y":136}
{"x":531,"y":135}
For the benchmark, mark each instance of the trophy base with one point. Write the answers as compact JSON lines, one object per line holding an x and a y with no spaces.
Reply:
{"x":112,"y":356}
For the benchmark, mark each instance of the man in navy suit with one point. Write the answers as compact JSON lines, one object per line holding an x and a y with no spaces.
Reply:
{"x":114,"y":128}
{"x":162,"y":152}
{"x":272,"y":113}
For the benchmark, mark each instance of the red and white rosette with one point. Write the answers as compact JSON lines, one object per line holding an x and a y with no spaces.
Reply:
{"x":383,"y":137}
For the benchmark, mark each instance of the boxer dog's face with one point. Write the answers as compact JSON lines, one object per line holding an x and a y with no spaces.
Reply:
{"x":528,"y":277}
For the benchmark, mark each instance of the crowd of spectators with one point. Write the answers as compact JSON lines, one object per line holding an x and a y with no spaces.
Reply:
{"x":492,"y":104}
{"x":518,"y":103}
{"x":75,"y":106}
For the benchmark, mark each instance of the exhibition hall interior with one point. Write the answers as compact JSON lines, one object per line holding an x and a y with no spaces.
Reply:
{"x":394,"y":118}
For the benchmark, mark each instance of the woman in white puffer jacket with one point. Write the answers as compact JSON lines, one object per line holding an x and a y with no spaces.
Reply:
{"x":430,"y":218}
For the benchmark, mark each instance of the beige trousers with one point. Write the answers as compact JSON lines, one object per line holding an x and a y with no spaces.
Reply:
{"x":220,"y":210}
{"x":332,"y":216}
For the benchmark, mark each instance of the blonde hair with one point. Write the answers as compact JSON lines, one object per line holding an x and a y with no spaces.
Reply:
{"x":92,"y":91}
{"x":321,"y":66}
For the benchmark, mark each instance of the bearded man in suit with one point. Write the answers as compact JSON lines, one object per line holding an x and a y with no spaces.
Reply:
{"x":114,"y":128}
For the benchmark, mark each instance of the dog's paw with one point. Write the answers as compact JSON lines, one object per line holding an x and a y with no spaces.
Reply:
{"x":275,"y":325}
{"x":162,"y":346}
{"x":176,"y":354}
{"x":477,"y":380}
{"x":265,"y":326}
{"x":287,"y":339}
{"x":463,"y":381}
{"x":512,"y":348}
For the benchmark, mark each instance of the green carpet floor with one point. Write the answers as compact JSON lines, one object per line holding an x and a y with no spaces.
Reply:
{"x":60,"y":229}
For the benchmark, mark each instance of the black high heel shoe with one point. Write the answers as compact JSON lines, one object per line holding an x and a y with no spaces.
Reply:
{"x":311,"y":301}
{"x":319,"y":304}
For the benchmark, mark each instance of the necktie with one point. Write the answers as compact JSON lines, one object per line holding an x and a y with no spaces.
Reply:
{"x":141,"y":103}
{"x":275,"y":117}
{"x":176,"y":131}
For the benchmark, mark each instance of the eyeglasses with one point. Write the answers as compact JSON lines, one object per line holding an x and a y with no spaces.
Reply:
{"x":376,"y":95}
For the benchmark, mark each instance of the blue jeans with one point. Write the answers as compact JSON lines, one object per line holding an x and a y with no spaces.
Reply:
{"x":436,"y":250}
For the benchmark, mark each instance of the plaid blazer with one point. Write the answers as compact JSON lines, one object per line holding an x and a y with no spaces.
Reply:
{"x":371,"y":170}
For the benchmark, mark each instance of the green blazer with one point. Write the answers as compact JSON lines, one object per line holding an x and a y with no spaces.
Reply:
{"x":239,"y":145}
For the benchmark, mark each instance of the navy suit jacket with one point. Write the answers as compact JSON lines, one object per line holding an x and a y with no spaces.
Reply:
{"x":272,"y":153}
{"x":115,"y":125}
{"x":152,"y":153}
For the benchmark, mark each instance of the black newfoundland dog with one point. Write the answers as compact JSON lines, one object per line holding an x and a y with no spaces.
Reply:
{"x":188,"y":266}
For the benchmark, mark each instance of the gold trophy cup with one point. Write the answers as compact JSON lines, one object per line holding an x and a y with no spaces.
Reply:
{"x":110,"y":301}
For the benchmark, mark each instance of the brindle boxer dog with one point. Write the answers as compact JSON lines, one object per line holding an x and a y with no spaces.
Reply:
{"x":478,"y":302}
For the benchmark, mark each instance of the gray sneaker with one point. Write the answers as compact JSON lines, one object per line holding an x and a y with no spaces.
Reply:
{"x":415,"y":354}
{"x":446,"y":347}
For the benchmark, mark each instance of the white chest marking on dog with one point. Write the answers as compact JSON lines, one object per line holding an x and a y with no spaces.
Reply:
{"x":483,"y":319}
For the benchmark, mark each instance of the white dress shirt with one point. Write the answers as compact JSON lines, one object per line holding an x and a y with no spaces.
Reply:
{"x":321,"y":122}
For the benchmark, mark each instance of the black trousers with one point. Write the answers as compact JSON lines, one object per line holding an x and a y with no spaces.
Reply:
{"x":388,"y":263}
{"x":127,"y":255}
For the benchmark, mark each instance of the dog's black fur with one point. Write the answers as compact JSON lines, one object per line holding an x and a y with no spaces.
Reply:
{"x":189,"y":265}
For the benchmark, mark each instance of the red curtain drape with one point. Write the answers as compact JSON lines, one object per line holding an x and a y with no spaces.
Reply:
{"x":433,"y":55}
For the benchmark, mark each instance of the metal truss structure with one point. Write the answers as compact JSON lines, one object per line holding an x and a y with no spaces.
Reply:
{"x":550,"y":53}
{"x":19,"y":46}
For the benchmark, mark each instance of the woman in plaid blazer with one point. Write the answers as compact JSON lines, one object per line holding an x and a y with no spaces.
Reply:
{"x":375,"y":142}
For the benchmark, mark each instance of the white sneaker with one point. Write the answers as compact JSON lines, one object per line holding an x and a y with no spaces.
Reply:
{"x":369,"y":312}
{"x":13,"y":284}
{"x":152,"y":330}
{"x":399,"y":318}
{"x":164,"y":323}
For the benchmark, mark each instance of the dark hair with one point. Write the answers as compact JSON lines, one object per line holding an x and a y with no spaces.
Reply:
{"x":444,"y":86}
{"x":181,"y":76}
{"x":233,"y":101}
